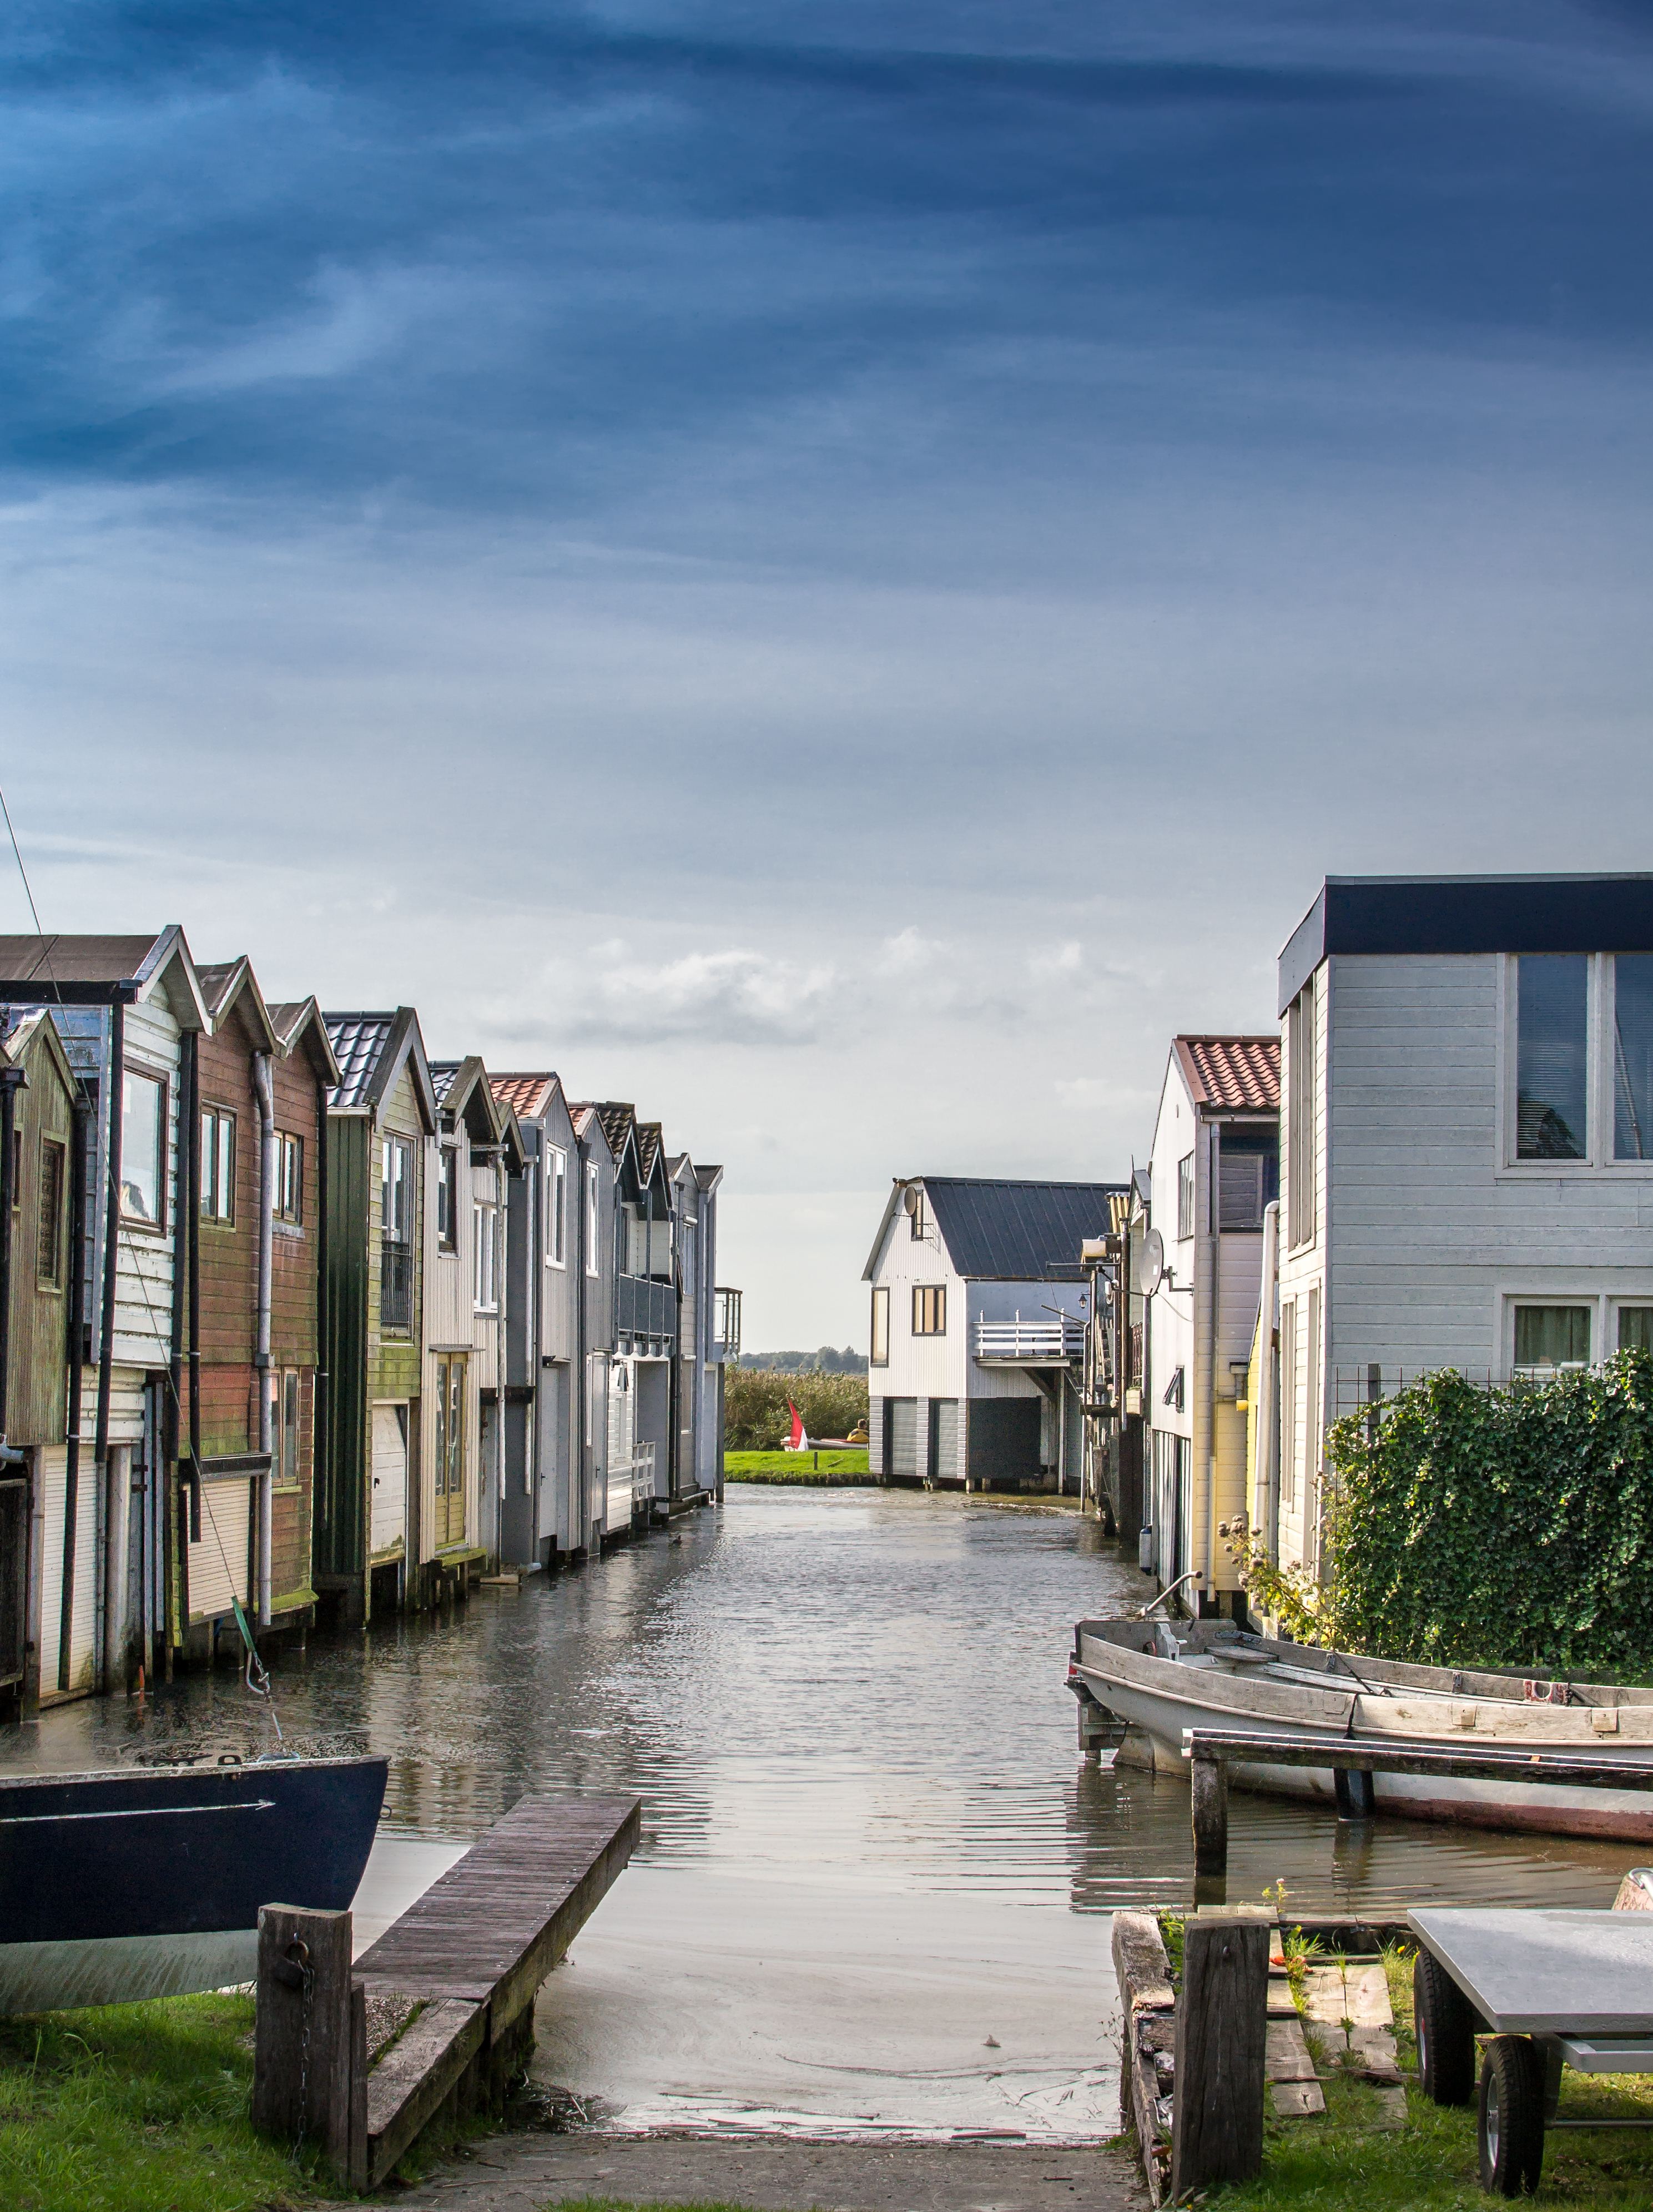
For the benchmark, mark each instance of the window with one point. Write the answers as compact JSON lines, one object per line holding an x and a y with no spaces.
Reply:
{"x":1300,"y":1117}
{"x":1246,"y":1182}
{"x":49,"y":1256}
{"x":450,"y":1425}
{"x":929,"y":1309}
{"x":1632,"y":1056}
{"x":1548,"y":1337}
{"x":447,"y":1198}
{"x":1552,"y":1055}
{"x":396,"y":1235}
{"x":485,"y":1221}
{"x":1185,"y":1197}
{"x":592,"y":1268}
{"x":289,"y":1178}
{"x":217,"y":1164}
{"x":557,"y":1207}
{"x":284,"y":1426}
{"x":1636,"y":1328}
{"x":916,"y":1214}
{"x":142,"y":1147}
{"x":880,"y":1354}
{"x":1288,"y":1389}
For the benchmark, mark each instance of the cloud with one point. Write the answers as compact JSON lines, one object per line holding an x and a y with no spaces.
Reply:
{"x":736,"y":997}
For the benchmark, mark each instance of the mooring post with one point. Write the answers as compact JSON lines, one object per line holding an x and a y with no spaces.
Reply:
{"x":1357,"y":1799}
{"x":1209,"y":1794}
{"x":1222,"y":2023}
{"x":305,"y":2057}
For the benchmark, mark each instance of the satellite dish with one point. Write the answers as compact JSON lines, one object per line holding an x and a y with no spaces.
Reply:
{"x":1151,"y":1268}
{"x":909,"y":1198}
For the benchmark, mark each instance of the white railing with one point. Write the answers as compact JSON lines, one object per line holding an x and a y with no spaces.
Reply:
{"x":1059,"y":1336}
{"x":630,"y":1484}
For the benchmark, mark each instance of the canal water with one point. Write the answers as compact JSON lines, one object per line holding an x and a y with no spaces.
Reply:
{"x":875,"y":1876}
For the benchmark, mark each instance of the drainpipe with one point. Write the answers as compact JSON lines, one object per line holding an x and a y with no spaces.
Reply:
{"x":261,"y":1356}
{"x":1268,"y":1391}
{"x":1204,"y":1340}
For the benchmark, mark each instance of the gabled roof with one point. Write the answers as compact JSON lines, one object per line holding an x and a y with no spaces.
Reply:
{"x":464,"y":1093}
{"x":37,"y":1027}
{"x":1003,"y":1231}
{"x":299,"y":1021}
{"x":372,"y":1050}
{"x":224,"y":983}
{"x":1231,"y":1074}
{"x":587,"y":1123}
{"x":619,"y":1123}
{"x":527,"y":1094}
{"x":708,"y":1178}
{"x":101,"y":971}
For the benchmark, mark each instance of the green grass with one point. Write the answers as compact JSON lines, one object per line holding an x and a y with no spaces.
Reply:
{"x":808,"y":1466}
{"x":137,"y":2108}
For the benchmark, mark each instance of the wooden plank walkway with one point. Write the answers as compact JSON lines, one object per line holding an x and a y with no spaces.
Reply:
{"x":474,"y":1949}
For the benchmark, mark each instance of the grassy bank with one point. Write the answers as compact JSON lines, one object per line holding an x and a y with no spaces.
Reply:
{"x":137,"y":2108}
{"x":808,"y":1467}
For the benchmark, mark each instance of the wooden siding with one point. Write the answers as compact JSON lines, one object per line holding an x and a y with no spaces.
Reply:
{"x":143,"y":1273}
{"x":218,"y":1562}
{"x":294,"y":1271}
{"x":38,"y":1384}
{"x":52,"y":1476}
{"x":1302,"y":1282}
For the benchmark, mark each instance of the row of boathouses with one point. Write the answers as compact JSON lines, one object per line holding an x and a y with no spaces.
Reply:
{"x":1441,"y":1155}
{"x":314,"y":1326}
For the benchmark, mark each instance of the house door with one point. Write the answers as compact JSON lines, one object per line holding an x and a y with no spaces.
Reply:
{"x":903,"y":1438}
{"x":388,"y":1518}
{"x":944,"y":1439}
{"x":450,"y":1518}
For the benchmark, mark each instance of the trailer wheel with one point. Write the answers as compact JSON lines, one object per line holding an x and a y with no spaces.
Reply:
{"x":1510,"y":2133}
{"x":1445,"y":2028}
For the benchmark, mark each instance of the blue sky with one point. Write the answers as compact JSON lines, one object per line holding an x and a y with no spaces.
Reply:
{"x":843,"y":571}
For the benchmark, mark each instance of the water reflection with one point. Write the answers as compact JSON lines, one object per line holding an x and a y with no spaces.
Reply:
{"x":858,"y":1686}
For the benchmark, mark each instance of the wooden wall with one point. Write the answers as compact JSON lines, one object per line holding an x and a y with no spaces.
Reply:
{"x":39,"y":1313}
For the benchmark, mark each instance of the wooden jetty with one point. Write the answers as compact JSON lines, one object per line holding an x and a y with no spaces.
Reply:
{"x":452,"y":1983}
{"x":1212,"y":1752}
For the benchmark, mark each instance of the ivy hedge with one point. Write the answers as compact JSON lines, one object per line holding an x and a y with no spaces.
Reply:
{"x":1504,"y":1528}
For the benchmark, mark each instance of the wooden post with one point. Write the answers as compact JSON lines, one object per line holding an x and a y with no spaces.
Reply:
{"x":1209,"y":1793}
{"x":358,"y":2161}
{"x":1222,"y":2017}
{"x":304,"y":2088}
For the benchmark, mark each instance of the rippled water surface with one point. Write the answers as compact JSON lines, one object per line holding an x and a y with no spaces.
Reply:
{"x":855,"y":1688}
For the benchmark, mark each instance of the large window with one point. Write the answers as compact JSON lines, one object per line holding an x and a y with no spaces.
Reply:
{"x":929,"y":1309}
{"x":447,"y":1198}
{"x":396,"y":1238}
{"x":1636,"y":1328}
{"x":1548,"y":1337}
{"x":557,"y":1207}
{"x":1632,"y":1056}
{"x":49,"y":1254}
{"x":1246,"y":1182}
{"x":217,"y":1163}
{"x":880,"y":1354}
{"x":1185,"y":1197}
{"x":283,"y":1386}
{"x":485,"y":1219}
{"x":1552,"y":1056}
{"x":143,"y":1148}
{"x":289,"y":1178}
{"x":593,"y":1266}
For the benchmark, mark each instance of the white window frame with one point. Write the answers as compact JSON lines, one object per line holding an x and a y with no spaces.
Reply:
{"x":484,"y":1242}
{"x":1592,"y":1303}
{"x":1598,"y":1160}
{"x":557,"y":1207}
{"x":594,"y":1262}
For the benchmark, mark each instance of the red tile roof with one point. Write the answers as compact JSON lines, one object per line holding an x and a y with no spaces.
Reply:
{"x":524,"y":1094}
{"x":1232,"y":1074}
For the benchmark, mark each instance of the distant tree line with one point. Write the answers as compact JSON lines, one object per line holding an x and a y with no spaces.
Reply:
{"x":755,"y":1415}
{"x":826,"y":1361}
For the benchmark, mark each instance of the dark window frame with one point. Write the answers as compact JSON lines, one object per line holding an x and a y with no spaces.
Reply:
{"x":51,"y":1214}
{"x":448,"y":1198}
{"x":929,"y":1309}
{"x":144,"y":1072}
{"x":218,"y":1206}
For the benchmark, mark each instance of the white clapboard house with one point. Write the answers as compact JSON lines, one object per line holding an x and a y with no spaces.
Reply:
{"x":1213,"y":1172}
{"x":1466,"y":1093}
{"x":978,"y":1331}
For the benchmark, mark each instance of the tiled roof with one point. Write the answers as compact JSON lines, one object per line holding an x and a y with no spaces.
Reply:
{"x":358,"y":1040}
{"x":1232,"y":1074}
{"x":650,"y":1139}
{"x":524,"y":1094}
{"x":616,"y":1120}
{"x":1016,"y":1231}
{"x":442,"y":1072}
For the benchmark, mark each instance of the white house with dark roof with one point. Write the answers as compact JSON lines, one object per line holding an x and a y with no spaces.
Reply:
{"x":977,"y":1318}
{"x":1467,"y":1087}
{"x":1215,"y":1173}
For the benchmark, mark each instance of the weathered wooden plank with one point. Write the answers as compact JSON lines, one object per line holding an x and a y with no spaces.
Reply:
{"x":1412,"y":1755}
{"x":1221,"y":2036}
{"x":1145,"y":2001}
{"x":415,"y":2077}
{"x":302,"y":2032}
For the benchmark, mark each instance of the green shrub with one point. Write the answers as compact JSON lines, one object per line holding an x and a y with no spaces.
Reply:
{"x":755,"y":1416}
{"x":1503,"y":1527}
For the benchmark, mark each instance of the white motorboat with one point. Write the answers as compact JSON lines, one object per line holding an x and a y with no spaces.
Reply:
{"x":1157,"y":1678}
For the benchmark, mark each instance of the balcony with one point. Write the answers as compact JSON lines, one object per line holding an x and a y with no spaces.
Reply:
{"x":726,"y":1333}
{"x":395,"y":1285}
{"x":644,"y":1308}
{"x":1051,"y":1342}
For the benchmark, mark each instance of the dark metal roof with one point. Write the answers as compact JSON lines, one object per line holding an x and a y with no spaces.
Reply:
{"x":358,"y":1041}
{"x":1468,"y":913}
{"x":1016,"y":1231}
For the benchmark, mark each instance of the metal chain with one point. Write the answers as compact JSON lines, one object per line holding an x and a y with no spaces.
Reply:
{"x":299,"y":1952}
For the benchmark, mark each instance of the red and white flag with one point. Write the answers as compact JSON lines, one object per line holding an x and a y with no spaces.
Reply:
{"x":798,"y":1440}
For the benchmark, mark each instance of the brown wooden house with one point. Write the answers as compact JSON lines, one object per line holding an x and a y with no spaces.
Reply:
{"x":255,"y":1299}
